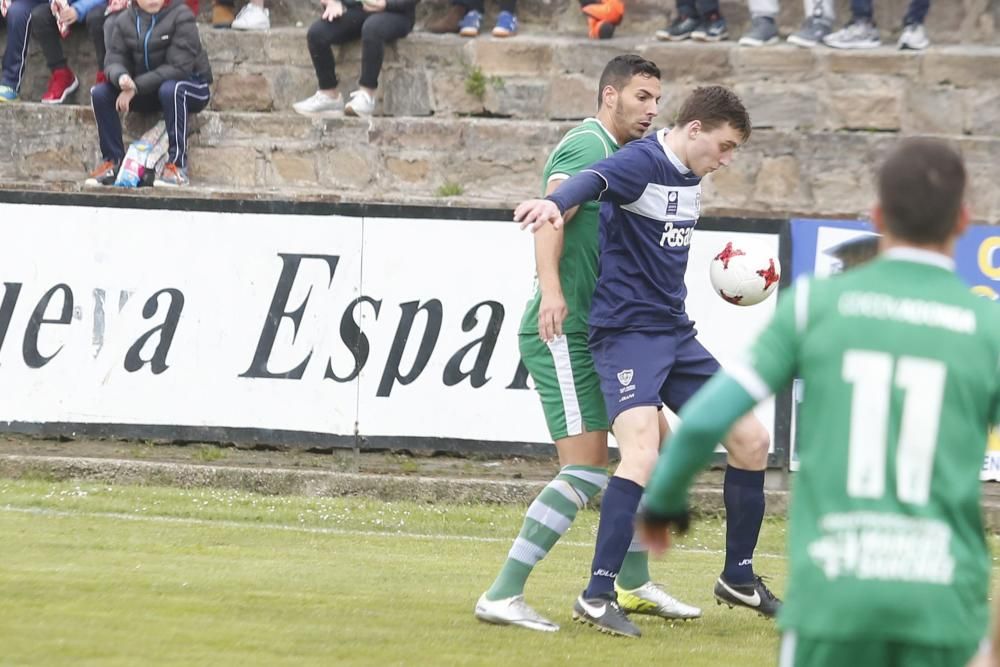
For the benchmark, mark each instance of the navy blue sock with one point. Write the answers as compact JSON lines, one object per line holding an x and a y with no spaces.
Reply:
{"x":743,"y":494}
{"x":614,"y":534}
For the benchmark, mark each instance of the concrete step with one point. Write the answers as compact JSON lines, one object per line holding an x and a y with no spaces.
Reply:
{"x":951,"y":90}
{"x":491,"y":161}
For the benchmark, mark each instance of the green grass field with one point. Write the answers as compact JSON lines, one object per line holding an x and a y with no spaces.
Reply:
{"x":100,"y":575}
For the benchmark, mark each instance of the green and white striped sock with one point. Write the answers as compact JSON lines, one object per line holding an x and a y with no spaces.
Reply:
{"x":548,"y":518}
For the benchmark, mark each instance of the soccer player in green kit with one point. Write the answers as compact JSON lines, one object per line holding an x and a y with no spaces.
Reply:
{"x":553,"y":345}
{"x":901,"y":369}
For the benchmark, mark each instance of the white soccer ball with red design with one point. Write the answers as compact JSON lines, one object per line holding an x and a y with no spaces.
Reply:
{"x":745,"y":272}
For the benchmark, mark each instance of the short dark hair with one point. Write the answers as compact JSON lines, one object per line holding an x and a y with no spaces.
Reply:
{"x":620,"y":70}
{"x":715,"y":106}
{"x":921,"y":186}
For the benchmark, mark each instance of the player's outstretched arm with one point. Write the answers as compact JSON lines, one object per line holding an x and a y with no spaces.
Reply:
{"x":534,"y":214}
{"x":705,"y":420}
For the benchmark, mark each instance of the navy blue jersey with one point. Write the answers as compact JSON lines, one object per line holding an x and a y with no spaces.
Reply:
{"x":651,"y":206}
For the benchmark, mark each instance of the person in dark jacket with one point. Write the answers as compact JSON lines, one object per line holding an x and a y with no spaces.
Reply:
{"x":375,"y":22}
{"x":155,"y":62}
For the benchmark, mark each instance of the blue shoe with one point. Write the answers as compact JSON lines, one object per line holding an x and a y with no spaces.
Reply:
{"x":506,"y":25}
{"x":8,"y":94}
{"x":469,"y":27}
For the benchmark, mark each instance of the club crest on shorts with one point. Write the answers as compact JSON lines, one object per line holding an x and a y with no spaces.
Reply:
{"x":625,"y":376}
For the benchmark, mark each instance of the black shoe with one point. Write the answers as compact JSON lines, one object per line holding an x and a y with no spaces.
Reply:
{"x":679,"y":30}
{"x":712,"y":30}
{"x":755,"y":595}
{"x":604,"y":614}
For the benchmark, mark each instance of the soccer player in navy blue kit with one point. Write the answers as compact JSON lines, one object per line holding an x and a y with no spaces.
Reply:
{"x":644,"y":345}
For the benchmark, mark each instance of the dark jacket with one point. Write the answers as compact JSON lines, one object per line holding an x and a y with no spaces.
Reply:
{"x":153,"y":48}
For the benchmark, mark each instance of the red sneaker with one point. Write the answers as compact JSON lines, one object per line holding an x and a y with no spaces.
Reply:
{"x":61,"y":84}
{"x":100,"y":78}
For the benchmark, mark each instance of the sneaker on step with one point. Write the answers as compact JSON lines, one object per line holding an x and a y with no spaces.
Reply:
{"x":679,"y":30}
{"x":8,"y":94}
{"x":62,"y":84}
{"x":222,"y":16}
{"x":506,"y":25}
{"x":361,"y":104}
{"x":172,"y":177}
{"x":653,"y":600}
{"x":812,"y":32}
{"x":604,"y":614}
{"x":469,"y":25}
{"x":914,"y":37}
{"x":763,"y":32}
{"x":103,"y":174}
{"x":320,"y":105}
{"x":100,"y":77}
{"x":602,"y":17}
{"x":714,"y":30}
{"x":252,"y":17}
{"x":512,"y":611}
{"x":857,"y":35}
{"x":754,"y":595}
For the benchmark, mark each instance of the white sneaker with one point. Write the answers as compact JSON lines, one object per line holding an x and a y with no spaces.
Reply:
{"x":362,"y":104}
{"x":651,"y":599}
{"x":320,"y":104}
{"x":914,"y":37}
{"x":252,"y":17}
{"x":512,"y":611}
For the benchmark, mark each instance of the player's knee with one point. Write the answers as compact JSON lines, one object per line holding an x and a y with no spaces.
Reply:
{"x":748,"y":445}
{"x":166,"y":93}
{"x":637,"y":463}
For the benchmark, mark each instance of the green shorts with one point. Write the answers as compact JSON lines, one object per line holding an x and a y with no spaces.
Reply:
{"x":567,"y":383}
{"x":798,"y":651}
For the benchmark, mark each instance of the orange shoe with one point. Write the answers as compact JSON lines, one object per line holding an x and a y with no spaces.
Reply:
{"x":602,"y":17}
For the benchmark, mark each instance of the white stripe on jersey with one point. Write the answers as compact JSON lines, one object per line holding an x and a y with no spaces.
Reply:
{"x":801,"y":304}
{"x":668,"y":203}
{"x":750,"y":380}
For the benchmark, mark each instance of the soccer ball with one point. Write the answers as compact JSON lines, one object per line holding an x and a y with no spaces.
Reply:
{"x":744,"y":272}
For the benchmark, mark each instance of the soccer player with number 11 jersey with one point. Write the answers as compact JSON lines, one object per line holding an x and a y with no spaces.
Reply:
{"x":889,"y":565}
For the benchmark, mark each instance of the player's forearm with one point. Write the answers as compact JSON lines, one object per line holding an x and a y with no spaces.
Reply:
{"x":582,"y":187}
{"x":705,"y":420}
{"x":548,"y":252}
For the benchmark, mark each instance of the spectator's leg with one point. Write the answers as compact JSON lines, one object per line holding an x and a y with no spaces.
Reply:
{"x":322,"y":35}
{"x":18,"y":36}
{"x":861,"y":10}
{"x":820,"y":9}
{"x":763,"y":24}
{"x":96,"y":21}
{"x":708,"y":9}
{"x":109,"y":125}
{"x":768,"y":8}
{"x":180,"y":100}
{"x":917,"y":12}
{"x":506,"y":25}
{"x":45,"y":30}
{"x":687,"y":9}
{"x":376,"y":31}
{"x":817,"y":24}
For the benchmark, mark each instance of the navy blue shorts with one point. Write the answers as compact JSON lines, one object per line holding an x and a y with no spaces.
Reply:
{"x":649,"y":367}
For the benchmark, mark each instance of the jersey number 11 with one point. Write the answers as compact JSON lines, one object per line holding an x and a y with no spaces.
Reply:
{"x":922,"y":381}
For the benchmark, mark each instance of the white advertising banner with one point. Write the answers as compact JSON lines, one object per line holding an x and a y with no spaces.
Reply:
{"x":323,"y":324}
